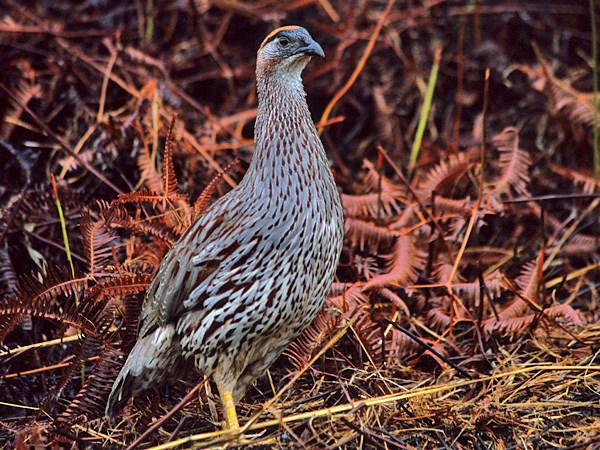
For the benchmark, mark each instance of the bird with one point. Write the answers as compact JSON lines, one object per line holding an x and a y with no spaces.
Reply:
{"x":254,"y":269}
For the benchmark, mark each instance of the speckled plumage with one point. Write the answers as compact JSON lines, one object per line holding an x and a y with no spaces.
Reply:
{"x":253,"y":271}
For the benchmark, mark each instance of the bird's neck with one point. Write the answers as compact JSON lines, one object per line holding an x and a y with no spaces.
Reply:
{"x":284,"y":130}
{"x":289,"y":172}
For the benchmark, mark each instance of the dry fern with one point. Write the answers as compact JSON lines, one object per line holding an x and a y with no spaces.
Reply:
{"x":512,"y":165}
{"x":404,"y":265}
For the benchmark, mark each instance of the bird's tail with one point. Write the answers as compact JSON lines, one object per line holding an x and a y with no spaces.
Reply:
{"x":155,"y":359}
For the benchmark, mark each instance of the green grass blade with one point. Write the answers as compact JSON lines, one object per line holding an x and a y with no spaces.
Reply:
{"x":63,"y":226}
{"x":414,"y":152}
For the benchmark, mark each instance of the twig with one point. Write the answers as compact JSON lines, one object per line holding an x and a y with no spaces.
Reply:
{"x":422,"y":343}
{"x":553,"y":197}
{"x":359,"y":67}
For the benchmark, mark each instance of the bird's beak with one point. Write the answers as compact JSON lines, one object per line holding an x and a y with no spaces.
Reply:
{"x":311,"y":48}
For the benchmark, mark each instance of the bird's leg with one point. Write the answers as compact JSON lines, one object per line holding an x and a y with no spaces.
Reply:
{"x":230,"y":413}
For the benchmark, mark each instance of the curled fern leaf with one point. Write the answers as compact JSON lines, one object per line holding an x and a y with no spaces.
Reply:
{"x":405,"y":262}
{"x":513,"y":163}
{"x":445,"y":172}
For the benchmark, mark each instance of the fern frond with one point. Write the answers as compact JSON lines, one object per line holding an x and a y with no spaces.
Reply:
{"x":366,"y":235}
{"x":40,"y":298}
{"x":442,"y":272}
{"x":374,"y":179}
{"x":123,"y":285}
{"x":143,"y":257}
{"x":148,"y":196}
{"x":514,"y":309}
{"x":97,"y":238}
{"x":565,"y":312}
{"x":520,"y":324}
{"x":566,"y":101}
{"x":399,"y":345}
{"x":446,"y":172}
{"x":204,"y":198}
{"x":90,"y":401}
{"x":395,"y":300}
{"x":117,"y":216}
{"x":305,"y":346}
{"x":346,"y":297}
{"x":8,"y":322}
{"x":129,"y":326}
{"x":582,"y":245}
{"x":24,"y":92}
{"x":470,"y":291}
{"x":368,"y":333}
{"x":529,"y":279}
{"x":169,"y":178}
{"x":445,"y":205}
{"x":527,"y":283}
{"x":513,"y":163}
{"x":148,"y":173}
{"x":439,"y":318}
{"x":371,"y":206}
{"x":580,"y":178}
{"x":404,"y":265}
{"x":52,"y":284}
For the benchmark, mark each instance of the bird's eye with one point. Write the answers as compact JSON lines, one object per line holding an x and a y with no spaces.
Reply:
{"x":284,"y":41}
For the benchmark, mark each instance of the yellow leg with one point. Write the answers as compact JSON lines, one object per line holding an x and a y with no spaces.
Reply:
{"x":230,"y":413}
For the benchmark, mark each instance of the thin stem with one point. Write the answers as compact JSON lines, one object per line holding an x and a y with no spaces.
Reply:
{"x":595,"y":87}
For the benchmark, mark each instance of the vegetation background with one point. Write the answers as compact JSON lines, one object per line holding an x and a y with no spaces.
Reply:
{"x":464,"y":138}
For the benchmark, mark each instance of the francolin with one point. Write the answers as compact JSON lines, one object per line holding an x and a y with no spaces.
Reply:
{"x":253,"y":271}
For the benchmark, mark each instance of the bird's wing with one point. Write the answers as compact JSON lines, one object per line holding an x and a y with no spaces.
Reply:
{"x":194,"y":259}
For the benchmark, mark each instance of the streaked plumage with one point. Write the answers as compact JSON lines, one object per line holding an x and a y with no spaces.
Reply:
{"x":253,"y":271}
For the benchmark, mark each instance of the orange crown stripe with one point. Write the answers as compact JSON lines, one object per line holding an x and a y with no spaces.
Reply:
{"x":274,"y":32}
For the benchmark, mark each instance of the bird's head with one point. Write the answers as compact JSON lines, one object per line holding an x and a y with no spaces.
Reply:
{"x":286,"y":51}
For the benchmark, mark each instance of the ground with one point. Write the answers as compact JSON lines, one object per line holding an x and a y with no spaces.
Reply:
{"x":463,"y":137}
